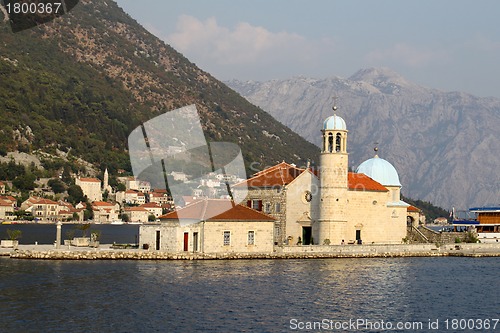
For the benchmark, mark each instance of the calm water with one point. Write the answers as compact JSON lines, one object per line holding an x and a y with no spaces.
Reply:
{"x":46,"y":233}
{"x":242,"y":296}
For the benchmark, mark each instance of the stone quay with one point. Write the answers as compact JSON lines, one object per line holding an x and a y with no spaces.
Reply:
{"x":106,"y":252}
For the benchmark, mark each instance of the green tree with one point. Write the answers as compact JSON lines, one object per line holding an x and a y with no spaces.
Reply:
{"x":83,"y":228}
{"x":105,"y":195}
{"x":66,"y":175}
{"x":151,"y":218}
{"x":25,"y":182}
{"x":57,"y":186}
{"x":121,"y":187}
{"x":124,"y":217}
{"x":75,"y":194}
{"x":88,"y":213}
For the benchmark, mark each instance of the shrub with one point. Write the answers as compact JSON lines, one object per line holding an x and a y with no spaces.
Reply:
{"x":14,"y":234}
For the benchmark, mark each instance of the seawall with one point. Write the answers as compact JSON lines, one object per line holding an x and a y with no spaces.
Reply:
{"x":287,"y":252}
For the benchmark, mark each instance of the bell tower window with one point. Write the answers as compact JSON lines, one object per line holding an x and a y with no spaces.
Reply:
{"x":338,"y":143}
{"x":330,"y":143}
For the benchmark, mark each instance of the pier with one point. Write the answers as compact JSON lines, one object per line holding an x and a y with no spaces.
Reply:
{"x":107,"y":252}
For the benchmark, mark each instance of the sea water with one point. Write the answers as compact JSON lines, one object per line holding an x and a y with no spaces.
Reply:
{"x":321,"y":295}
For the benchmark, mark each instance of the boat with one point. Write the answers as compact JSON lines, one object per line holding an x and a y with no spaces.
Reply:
{"x":134,"y":223}
{"x":485,"y":220}
{"x":117,"y":222}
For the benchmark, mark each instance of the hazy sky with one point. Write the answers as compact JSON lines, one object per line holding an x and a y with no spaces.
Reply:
{"x":445,"y":44}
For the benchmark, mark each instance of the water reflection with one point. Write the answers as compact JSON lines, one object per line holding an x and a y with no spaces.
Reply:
{"x":226,"y":296}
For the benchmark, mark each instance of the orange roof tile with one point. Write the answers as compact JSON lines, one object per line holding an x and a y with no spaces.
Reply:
{"x":8,"y":198}
{"x":4,"y":203}
{"x":158,"y":190}
{"x":90,"y":180}
{"x":278,"y":175}
{"x":217,"y":210}
{"x":413,"y":209}
{"x":135,"y":209}
{"x":131,"y":191}
{"x":158,"y":194}
{"x":150,"y":205}
{"x":42,"y":201}
{"x":361,"y":182}
{"x":102,"y":204}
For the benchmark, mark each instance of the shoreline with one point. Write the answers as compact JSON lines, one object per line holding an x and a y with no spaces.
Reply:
{"x":105,"y":252}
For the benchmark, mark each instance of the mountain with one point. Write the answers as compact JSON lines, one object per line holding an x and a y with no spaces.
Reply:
{"x":445,"y":145}
{"x":79,"y":85}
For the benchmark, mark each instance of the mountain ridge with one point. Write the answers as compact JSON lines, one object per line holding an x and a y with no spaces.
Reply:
{"x":443,"y":144}
{"x":83,"y":82}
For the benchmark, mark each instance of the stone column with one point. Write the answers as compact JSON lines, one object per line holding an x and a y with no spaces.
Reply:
{"x":58,"y":235}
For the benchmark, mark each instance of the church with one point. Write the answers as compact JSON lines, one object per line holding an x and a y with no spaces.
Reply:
{"x":332,"y":206}
{"x":288,"y":205}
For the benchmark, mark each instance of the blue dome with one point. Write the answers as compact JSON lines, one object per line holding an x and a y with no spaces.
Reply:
{"x":334,"y":123}
{"x":380,"y":170}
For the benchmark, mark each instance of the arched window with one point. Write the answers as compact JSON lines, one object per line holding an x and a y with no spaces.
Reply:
{"x":338,"y":143}
{"x":330,"y":143}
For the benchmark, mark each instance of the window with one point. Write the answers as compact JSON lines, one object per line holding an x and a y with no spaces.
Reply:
{"x":330,"y":143}
{"x":268,"y":208}
{"x":227,"y":238}
{"x":257,"y":205}
{"x":251,"y":238}
{"x":338,"y":143}
{"x":278,"y":207}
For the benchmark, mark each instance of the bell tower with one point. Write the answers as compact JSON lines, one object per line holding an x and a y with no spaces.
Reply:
{"x":333,"y":181}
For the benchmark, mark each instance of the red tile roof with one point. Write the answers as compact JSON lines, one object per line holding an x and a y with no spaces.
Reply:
{"x":217,"y":210}
{"x":90,"y":180}
{"x":413,"y":209}
{"x":150,"y":205}
{"x":42,"y":201}
{"x":278,"y":175}
{"x":135,"y":209}
{"x":8,"y":198}
{"x":4,"y":203}
{"x":102,"y":204}
{"x":361,"y":182}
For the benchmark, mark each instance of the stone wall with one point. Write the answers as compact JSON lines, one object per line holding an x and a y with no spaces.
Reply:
{"x":286,"y":252}
{"x":274,"y":196}
{"x":442,"y":237}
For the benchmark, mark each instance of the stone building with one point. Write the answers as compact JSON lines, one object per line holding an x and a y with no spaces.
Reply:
{"x":211,"y":226}
{"x":105,"y":212}
{"x":91,"y":188}
{"x":332,"y":205}
{"x":274,"y":191}
{"x":137,"y":214}
{"x":415,"y":217}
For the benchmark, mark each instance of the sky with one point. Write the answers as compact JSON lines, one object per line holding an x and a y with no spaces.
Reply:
{"x":451,"y":45}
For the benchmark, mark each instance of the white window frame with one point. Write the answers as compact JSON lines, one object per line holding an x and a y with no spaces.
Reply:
{"x":251,"y":237}
{"x":267,"y":208}
{"x":227,"y":238}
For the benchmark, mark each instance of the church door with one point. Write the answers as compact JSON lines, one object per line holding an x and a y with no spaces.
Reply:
{"x":195,"y":242}
{"x":358,"y":236}
{"x":306,"y":235}
{"x":158,"y":239}
{"x":186,"y":241}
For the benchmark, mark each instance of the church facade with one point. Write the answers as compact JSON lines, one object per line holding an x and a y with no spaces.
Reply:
{"x":287,"y":205}
{"x":332,"y":205}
